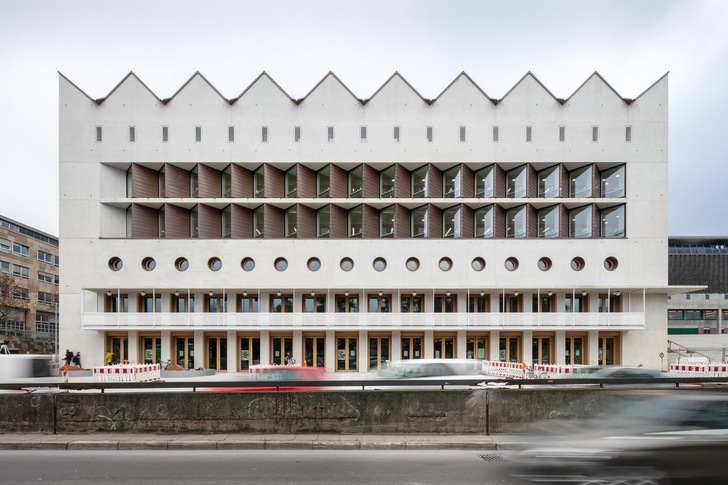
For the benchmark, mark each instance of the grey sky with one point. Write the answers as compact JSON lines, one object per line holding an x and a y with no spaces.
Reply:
{"x":631,"y":43}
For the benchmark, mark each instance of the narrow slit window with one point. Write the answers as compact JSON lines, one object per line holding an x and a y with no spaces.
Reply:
{"x":628,"y":135}
{"x":132,"y":134}
{"x":330,"y":134}
{"x":198,"y":133}
{"x":231,"y":134}
{"x":99,"y":134}
{"x":264,"y":134}
{"x":165,"y":134}
{"x":462,"y":134}
{"x":529,"y":133}
{"x":595,"y":134}
{"x":428,"y":134}
{"x":562,"y":133}
{"x":395,"y":134}
{"x":297,"y":134}
{"x":495,"y":134}
{"x":362,"y":134}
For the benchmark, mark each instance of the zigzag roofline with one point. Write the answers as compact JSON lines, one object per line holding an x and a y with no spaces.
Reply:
{"x":363,"y":101}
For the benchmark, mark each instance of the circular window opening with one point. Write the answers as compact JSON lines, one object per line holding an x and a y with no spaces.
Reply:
{"x":379,"y":264}
{"x":181,"y":264}
{"x":445,"y":264}
{"x":115,"y":264}
{"x":346,"y":264}
{"x":214,"y":264}
{"x":544,"y":264}
{"x":610,"y":264}
{"x":511,"y":264}
{"x":577,"y":264}
{"x":314,"y":264}
{"x":247,"y":264}
{"x":478,"y":264}
{"x":149,"y":264}
{"x":413,"y":264}
{"x":281,"y":264}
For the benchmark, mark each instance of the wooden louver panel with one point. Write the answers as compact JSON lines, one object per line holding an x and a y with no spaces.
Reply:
{"x":337,"y":222}
{"x":434,"y":222}
{"x":339,"y":181}
{"x":144,"y":182}
{"x":177,"y":222}
{"x":370,"y":222}
{"x":210,"y":222}
{"x":241,"y":222}
{"x":563,"y":221}
{"x":274,"y":185}
{"x":144,"y":222}
{"x":531,"y":221}
{"x":273,"y":221}
{"x":402,"y":187}
{"x":466,"y":222}
{"x":241,"y":183}
{"x":467,"y":182}
{"x":305,"y":221}
{"x":306,"y":183}
{"x":499,"y":220}
{"x":177,"y":182}
{"x":209,"y":184}
{"x":499,"y":183}
{"x":531,"y":182}
{"x":434,"y":182}
{"x":596,"y":182}
{"x":401,"y":222}
{"x":370,"y":182}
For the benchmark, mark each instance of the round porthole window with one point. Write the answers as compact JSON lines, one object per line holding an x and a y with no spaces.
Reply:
{"x":445,"y":264}
{"x":346,"y":264}
{"x":149,"y":264}
{"x":379,"y":264}
{"x":248,"y":264}
{"x":314,"y":264}
{"x":610,"y":264}
{"x":181,"y":264}
{"x":214,"y":264}
{"x":478,"y":264}
{"x":577,"y":264}
{"x":115,"y":264}
{"x":511,"y":264}
{"x":281,"y":264}
{"x":544,"y":264}
{"x":413,"y":264}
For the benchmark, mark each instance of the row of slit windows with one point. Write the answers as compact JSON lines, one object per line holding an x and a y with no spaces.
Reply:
{"x":363,"y":134}
{"x":516,"y":223}
{"x":456,"y":182}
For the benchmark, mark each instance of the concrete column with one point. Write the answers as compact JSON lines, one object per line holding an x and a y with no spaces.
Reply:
{"x":265,"y":347}
{"x":528,"y":302}
{"x":593,"y":347}
{"x":167,"y":352}
{"x":133,"y":346}
{"x":363,"y":352}
{"x":396,"y":346}
{"x":232,"y":351}
{"x":560,"y":350}
{"x":429,"y":344}
{"x":200,"y":349}
{"x":330,"y":351}
{"x":298,"y":346}
{"x":494,"y":345}
{"x":527,"y":347}
{"x":461,"y":344}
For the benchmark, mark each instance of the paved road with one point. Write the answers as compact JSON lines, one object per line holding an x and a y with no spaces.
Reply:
{"x":320,"y":467}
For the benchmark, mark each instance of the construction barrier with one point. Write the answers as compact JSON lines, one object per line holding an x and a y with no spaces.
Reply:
{"x":128,"y":373}
{"x":699,"y":370}
{"x":561,"y":371}
{"x":515,"y":370}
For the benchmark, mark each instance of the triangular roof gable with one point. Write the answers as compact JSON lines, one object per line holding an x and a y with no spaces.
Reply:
{"x":529,"y":76}
{"x":199,"y":75}
{"x":403,"y":80}
{"x":464,"y":78}
{"x":651,"y":86}
{"x":261,"y":77}
{"x":133,"y":76}
{"x":603,"y":81}
{"x":77,"y":88}
{"x":324,"y":79}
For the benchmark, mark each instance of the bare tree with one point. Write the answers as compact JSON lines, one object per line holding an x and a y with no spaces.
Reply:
{"x":12,"y":308}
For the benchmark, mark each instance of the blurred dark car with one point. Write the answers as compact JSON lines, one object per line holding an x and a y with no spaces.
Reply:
{"x":624,"y":372}
{"x":671,"y":439}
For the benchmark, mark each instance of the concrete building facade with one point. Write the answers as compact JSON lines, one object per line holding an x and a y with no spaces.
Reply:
{"x":29,"y":280}
{"x":346,"y":232}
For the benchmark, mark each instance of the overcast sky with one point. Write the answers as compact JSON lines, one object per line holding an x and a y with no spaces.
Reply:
{"x":630,"y":43}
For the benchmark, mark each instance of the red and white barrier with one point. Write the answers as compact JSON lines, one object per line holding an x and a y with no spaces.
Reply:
{"x":699,"y":370}
{"x":514,"y":370}
{"x":561,"y":371}
{"x":128,"y":373}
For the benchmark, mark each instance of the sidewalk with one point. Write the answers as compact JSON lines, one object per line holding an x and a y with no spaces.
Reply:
{"x":237,"y":441}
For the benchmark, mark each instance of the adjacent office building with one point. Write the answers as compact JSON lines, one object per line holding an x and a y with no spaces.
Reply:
{"x":225,"y":232}
{"x":28,"y":285}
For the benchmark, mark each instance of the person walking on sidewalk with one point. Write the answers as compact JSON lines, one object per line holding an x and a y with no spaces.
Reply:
{"x":77,"y":359}
{"x":69,"y":357}
{"x":109,"y":357}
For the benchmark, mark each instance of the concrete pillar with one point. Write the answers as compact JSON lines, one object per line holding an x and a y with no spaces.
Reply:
{"x":167,"y":352}
{"x":593,"y":347}
{"x":560,"y":350}
{"x":298,"y":346}
{"x":330,"y":346}
{"x":363,"y":352}
{"x":265,"y":347}
{"x":396,"y":345}
{"x":527,"y":347}
{"x":133,"y":346}
{"x":233,"y":361}
{"x":200,"y":349}
{"x":461,"y":344}
{"x":494,"y":345}
{"x":429,"y":344}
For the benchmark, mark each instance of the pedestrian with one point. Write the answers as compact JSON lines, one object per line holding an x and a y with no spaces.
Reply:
{"x":69,"y":357}
{"x":109,"y":357}
{"x":77,"y":359}
{"x":288,"y":360}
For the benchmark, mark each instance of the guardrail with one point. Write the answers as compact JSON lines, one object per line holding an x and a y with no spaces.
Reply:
{"x":367,"y":384}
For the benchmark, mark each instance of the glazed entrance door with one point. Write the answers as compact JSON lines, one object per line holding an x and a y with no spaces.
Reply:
{"x":151,"y":350}
{"x":280,"y":347}
{"x":249,"y":352}
{"x":217,"y":353}
{"x":346,"y":354}
{"x":378,"y":352}
{"x":412,"y":347}
{"x":314,"y":351}
{"x":184,"y":348}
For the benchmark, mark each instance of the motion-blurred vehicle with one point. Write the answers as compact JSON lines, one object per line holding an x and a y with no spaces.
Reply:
{"x":281,"y":378}
{"x":671,"y":439}
{"x":431,"y":368}
{"x":16,"y":367}
{"x":625,"y":372}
